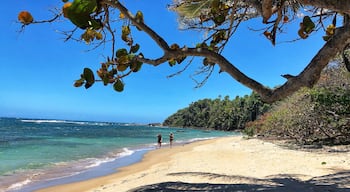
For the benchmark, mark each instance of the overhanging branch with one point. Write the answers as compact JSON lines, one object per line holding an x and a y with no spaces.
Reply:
{"x":158,"y":39}
{"x":308,"y":77}
{"x":311,"y":74}
{"x":341,"y":6}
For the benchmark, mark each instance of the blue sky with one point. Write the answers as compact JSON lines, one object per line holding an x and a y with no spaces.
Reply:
{"x":38,"y":69}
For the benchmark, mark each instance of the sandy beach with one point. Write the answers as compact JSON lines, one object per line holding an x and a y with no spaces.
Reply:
{"x":227,"y":164}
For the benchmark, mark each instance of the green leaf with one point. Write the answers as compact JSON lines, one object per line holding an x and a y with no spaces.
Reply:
{"x":218,"y":20}
{"x":174,"y":46}
{"x":79,"y":12}
{"x":180,"y":60}
{"x":192,"y":9}
{"x":139,"y":17}
{"x":134,"y":48}
{"x":172,"y":62}
{"x":118,"y":86}
{"x":124,"y":60}
{"x":87,"y":85}
{"x":215,"y":6}
{"x":136,"y":66}
{"x":122,"y":67}
{"x":105,"y":80}
{"x":202,"y":45}
{"x":205,"y":62}
{"x":89,"y":77}
{"x":121,"y":52}
{"x":125,"y":30}
{"x":79,"y":83}
{"x":308,"y":24}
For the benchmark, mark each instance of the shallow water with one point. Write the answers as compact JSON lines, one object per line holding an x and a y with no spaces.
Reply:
{"x":32,"y":151}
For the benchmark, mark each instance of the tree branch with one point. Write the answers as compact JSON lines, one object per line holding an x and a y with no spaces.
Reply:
{"x":266,"y":10}
{"x":311,"y":74}
{"x":341,"y":6}
{"x":308,"y":77}
{"x":159,"y":40}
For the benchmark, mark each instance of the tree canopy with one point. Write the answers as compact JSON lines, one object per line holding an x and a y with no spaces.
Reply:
{"x":220,"y":113}
{"x":110,"y":21}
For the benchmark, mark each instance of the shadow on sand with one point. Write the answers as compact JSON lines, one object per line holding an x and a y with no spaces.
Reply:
{"x":286,"y":183}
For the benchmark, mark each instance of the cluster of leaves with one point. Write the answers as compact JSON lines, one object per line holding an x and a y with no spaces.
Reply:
{"x":320,"y":115}
{"x":212,"y":16}
{"x":87,"y":15}
{"x":178,"y":60}
{"x":92,"y":18}
{"x":216,"y":16}
{"x":219,"y":114}
{"x":306,"y":27}
{"x":218,"y":20}
{"x":123,"y":62}
{"x":109,"y":72}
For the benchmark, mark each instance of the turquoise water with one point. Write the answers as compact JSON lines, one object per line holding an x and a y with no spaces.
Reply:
{"x":32,"y":150}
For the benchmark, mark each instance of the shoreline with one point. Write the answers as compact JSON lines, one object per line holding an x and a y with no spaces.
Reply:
{"x":231,"y":163}
{"x":91,"y":173}
{"x":41,"y":181}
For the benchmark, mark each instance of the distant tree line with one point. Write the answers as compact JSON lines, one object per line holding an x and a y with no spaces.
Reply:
{"x":220,"y":113}
{"x":318,"y":115}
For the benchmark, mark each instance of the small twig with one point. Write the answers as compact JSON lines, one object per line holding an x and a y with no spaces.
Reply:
{"x":206,"y":69}
{"x":184,"y":69}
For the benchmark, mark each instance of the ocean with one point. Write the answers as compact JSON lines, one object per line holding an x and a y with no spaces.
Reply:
{"x":37,"y":153}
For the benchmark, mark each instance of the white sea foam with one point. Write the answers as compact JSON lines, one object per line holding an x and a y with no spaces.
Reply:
{"x":126,"y":152}
{"x":19,"y":185}
{"x":64,"y":121}
{"x":42,"y":121}
{"x":200,"y":139}
{"x":97,"y":162}
{"x":194,"y":140}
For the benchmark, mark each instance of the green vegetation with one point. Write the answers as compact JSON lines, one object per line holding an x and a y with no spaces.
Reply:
{"x":318,"y":115}
{"x":219,"y":114}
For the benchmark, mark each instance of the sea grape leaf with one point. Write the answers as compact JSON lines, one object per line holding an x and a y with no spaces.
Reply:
{"x":308,"y":24}
{"x":79,"y":83}
{"x":172,"y":62}
{"x":139,"y":16}
{"x":89,"y":77}
{"x":79,"y":13}
{"x":134,"y":48}
{"x":136,"y":66}
{"x":118,"y":86}
{"x":121,"y":52}
{"x":122,"y":67}
{"x":124,"y":59}
{"x":180,"y":60}
{"x":105,"y":80}
{"x":125,"y":30}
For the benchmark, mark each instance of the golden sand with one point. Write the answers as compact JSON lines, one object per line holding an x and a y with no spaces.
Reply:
{"x":226,"y":164}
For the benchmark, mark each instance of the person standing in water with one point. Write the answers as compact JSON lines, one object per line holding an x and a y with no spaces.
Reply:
{"x":159,"y":137}
{"x":171,"y":139}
